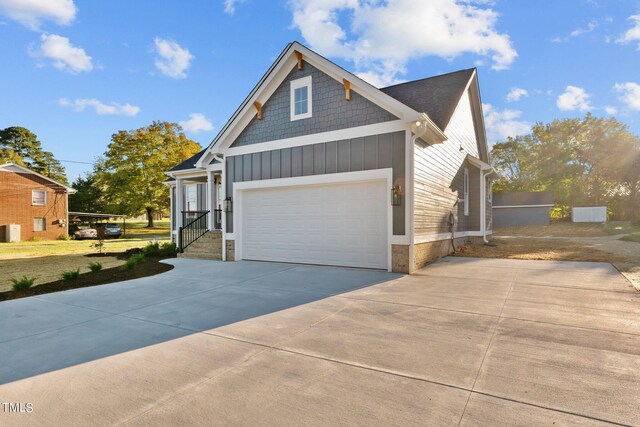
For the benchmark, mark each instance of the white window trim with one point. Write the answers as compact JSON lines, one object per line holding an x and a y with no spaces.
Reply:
{"x":39,"y":191}
{"x":466,"y":192}
{"x":489,"y":190}
{"x":296,"y":84}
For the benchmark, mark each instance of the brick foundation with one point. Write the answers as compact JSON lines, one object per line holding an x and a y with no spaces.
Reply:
{"x":231,"y":250}
{"x":400,"y":258}
{"x":425,"y":253}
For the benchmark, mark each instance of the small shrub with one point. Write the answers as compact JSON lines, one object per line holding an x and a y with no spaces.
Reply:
{"x":64,"y":236}
{"x":22,"y":284}
{"x":71,"y":274}
{"x":152,"y":249}
{"x":133,"y":260}
{"x":34,"y":239}
{"x":168,"y":248}
{"x":95,"y":266}
{"x":159,"y":249}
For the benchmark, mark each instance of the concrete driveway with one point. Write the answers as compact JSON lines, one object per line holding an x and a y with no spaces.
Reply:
{"x":465,"y":341}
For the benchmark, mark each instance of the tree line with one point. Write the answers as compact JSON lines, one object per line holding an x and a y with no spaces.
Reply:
{"x":126,"y":180}
{"x":585,"y":162}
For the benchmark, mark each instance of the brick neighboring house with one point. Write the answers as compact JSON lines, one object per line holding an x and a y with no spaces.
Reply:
{"x":37,"y":203}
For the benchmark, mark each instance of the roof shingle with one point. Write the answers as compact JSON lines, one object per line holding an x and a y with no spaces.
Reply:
{"x":437,"y":96}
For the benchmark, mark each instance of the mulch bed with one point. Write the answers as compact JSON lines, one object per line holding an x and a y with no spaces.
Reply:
{"x":148,"y":267}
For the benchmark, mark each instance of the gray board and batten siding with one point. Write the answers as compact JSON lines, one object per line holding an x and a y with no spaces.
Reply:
{"x":350,"y":155}
{"x":331,"y":111}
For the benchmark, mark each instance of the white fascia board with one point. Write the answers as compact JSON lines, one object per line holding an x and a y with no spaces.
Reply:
{"x":276,"y":76}
{"x":363,"y":88}
{"x":190,"y":173}
{"x":316,"y":138}
{"x":478,"y":163}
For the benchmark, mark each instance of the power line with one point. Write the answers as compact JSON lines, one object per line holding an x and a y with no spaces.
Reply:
{"x":74,"y":161}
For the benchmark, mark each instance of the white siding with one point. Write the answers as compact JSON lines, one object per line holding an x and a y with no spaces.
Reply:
{"x":439,"y":176}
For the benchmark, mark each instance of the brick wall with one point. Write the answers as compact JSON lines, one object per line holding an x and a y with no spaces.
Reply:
{"x":425,"y":253}
{"x":231,"y":250}
{"x":16,"y":207}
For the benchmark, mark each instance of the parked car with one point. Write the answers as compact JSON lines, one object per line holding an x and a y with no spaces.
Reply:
{"x":80,"y":232}
{"x":109,"y":229}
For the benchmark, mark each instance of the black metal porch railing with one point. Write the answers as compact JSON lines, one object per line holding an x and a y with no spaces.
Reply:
{"x":195,"y":226}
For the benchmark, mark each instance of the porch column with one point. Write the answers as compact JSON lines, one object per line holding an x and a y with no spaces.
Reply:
{"x":179,"y":207}
{"x":210,"y":200}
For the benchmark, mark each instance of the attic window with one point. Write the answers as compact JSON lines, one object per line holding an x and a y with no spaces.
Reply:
{"x":301,"y":98}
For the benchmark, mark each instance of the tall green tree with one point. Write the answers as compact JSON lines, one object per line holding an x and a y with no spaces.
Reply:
{"x":88,"y":196}
{"x":133,"y":169}
{"x":20,"y":145}
{"x":583,"y":161}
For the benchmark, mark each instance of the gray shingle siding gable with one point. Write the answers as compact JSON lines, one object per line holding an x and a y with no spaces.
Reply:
{"x":331,"y":111}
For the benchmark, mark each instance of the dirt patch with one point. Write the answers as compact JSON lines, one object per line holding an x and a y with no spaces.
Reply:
{"x":625,"y":256}
{"x":553,"y":230}
{"x":148,"y":267}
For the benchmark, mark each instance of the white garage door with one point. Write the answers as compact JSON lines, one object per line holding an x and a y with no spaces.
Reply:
{"x":341,"y":224}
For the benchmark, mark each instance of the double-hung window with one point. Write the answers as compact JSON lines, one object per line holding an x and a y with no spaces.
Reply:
{"x":39,"y":224}
{"x":301,"y":98}
{"x":39,"y":197}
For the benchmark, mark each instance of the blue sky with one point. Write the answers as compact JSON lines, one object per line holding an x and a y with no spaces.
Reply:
{"x":76,"y":71}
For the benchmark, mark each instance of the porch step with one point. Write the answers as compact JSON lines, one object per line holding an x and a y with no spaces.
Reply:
{"x":209,"y":246}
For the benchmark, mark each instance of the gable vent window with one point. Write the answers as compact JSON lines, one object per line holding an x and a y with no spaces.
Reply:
{"x":301,"y":99}
{"x":39,"y":198}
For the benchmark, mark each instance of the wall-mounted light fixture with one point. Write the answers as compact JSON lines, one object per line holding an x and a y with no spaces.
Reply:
{"x":227,"y":205}
{"x":396,"y":197}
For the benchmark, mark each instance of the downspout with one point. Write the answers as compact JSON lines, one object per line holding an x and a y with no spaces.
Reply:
{"x":483,"y":204}
{"x":223,"y":217}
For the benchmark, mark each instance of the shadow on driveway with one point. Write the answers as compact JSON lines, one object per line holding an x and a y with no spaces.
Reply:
{"x":55,"y":331}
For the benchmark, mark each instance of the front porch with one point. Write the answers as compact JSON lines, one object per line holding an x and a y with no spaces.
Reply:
{"x":197,"y":214}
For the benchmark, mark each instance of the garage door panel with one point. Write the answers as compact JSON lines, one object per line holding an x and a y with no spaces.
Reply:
{"x":336,"y":224}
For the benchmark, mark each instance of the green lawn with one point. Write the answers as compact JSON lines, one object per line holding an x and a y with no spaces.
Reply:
{"x":137,"y":236}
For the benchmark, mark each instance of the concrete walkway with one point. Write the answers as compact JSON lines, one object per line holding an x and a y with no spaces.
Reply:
{"x":465,"y":341}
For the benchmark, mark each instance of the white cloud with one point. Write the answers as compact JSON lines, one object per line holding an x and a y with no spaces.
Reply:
{"x":501,"y":124}
{"x":381,"y":37}
{"x":230,"y":6}
{"x":196,"y":123}
{"x":592,"y":25}
{"x":64,"y":55}
{"x":516,"y":93}
{"x":633,"y":34}
{"x":610,"y":110}
{"x":629,"y":94}
{"x":100,"y":108}
{"x":574,"y":98}
{"x":580,"y":31}
{"x":173,"y":60}
{"x":31,"y":13}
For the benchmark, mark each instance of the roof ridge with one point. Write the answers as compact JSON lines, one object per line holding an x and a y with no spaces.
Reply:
{"x":428,"y":78}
